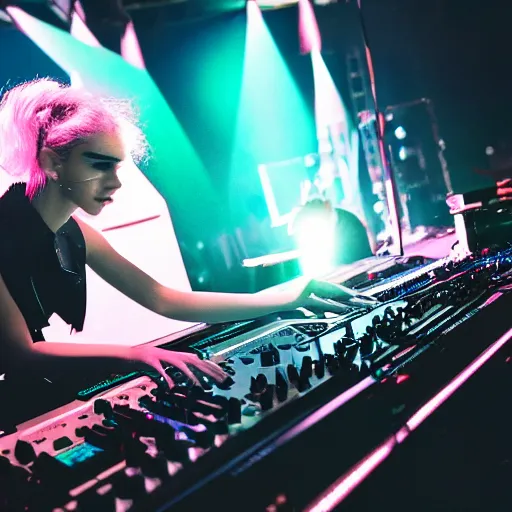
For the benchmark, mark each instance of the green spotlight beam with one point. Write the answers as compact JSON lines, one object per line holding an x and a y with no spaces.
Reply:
{"x":273,"y":122}
{"x":175,"y":169}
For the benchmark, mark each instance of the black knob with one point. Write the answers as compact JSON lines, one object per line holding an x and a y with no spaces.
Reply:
{"x":258,"y":384}
{"x":220,"y":427}
{"x":171,"y":448}
{"x":24,"y":452}
{"x":262,"y":381}
{"x":11,"y":473}
{"x":61,"y":443}
{"x":351,"y":350}
{"x":133,"y":420}
{"x":389,"y":314}
{"x":48,"y":468}
{"x":307,"y":367}
{"x":303,"y":347}
{"x":162,"y":409}
{"x":102,"y":406}
{"x":367,"y":345}
{"x":154,"y":467}
{"x":332,"y":363}
{"x":202,"y":438}
{"x":267,"y":398}
{"x":134,"y":450}
{"x":319,"y":368}
{"x":103,"y":440}
{"x":304,"y":383}
{"x":92,"y":500}
{"x":234,"y":411}
{"x":128,"y":487}
{"x":293,"y":375}
{"x":269,"y":357}
{"x":339,"y":349}
{"x":227,"y":368}
{"x":225,"y":384}
{"x":174,"y":450}
{"x":281,"y":386}
{"x":5,"y":466}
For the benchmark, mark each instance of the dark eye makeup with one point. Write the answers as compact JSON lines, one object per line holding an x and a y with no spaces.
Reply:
{"x":103,"y":166}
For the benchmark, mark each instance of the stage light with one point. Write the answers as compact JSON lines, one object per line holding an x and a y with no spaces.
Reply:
{"x":316,"y":241}
{"x":489,"y":151}
{"x":5,"y":17}
{"x":379,"y":207}
{"x":309,"y":33}
{"x":273,"y":126}
{"x":400,"y":133}
{"x":402,"y":153}
{"x":252,"y":8}
{"x":62,"y":8}
{"x":79,"y":29}
{"x":310,"y":160}
{"x":336,"y":134}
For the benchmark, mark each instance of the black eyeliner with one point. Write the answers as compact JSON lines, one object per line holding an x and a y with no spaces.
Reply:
{"x":98,"y":156}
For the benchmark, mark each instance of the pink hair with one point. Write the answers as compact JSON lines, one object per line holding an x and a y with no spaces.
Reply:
{"x":46,"y":113}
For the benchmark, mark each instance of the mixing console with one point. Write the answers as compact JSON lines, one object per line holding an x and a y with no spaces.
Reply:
{"x":131,"y":444}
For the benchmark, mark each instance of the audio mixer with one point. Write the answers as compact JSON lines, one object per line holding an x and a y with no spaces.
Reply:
{"x":308,"y":398}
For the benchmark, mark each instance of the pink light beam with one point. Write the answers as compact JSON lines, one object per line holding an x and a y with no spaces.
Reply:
{"x":79,"y":29}
{"x":340,"y":489}
{"x":309,"y":33}
{"x":130,"y":47}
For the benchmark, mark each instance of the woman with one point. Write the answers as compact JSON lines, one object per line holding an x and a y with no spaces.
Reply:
{"x":69,"y":144}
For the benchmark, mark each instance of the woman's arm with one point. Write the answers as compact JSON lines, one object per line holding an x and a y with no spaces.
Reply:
{"x":210,"y":307}
{"x":213,"y":307}
{"x":19,"y":354}
{"x":17,"y":349}
{"x":181,"y":305}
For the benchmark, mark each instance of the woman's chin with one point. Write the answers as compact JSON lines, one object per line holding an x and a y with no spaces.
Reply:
{"x":93,"y":209}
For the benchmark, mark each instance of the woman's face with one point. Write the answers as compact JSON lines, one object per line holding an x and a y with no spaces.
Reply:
{"x":88,"y":177}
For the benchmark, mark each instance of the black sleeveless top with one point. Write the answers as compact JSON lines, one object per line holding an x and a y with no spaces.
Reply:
{"x":43,"y":271}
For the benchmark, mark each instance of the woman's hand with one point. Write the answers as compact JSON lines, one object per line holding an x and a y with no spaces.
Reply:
{"x":317,"y":296}
{"x":325,"y":296}
{"x":159,"y":359}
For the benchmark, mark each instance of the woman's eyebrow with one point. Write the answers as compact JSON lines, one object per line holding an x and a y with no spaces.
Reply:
{"x":99,"y":156}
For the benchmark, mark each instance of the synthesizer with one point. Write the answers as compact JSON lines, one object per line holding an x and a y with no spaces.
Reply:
{"x":298,"y":426}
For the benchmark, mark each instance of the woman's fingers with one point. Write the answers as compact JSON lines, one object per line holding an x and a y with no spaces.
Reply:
{"x":181,"y":359}
{"x":325,"y":305}
{"x":326,"y":290}
{"x":206,"y":367}
{"x":186,"y":370}
{"x":161,"y":370}
{"x":211,"y":369}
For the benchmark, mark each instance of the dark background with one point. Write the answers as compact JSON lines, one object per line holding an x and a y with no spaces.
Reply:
{"x":453,"y":51}
{"x":458,"y":54}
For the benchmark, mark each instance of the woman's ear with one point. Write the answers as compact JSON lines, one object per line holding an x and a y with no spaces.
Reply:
{"x":50,"y":163}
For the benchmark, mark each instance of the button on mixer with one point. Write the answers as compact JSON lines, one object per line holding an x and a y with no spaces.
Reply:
{"x":24,"y":452}
{"x":61,"y":443}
